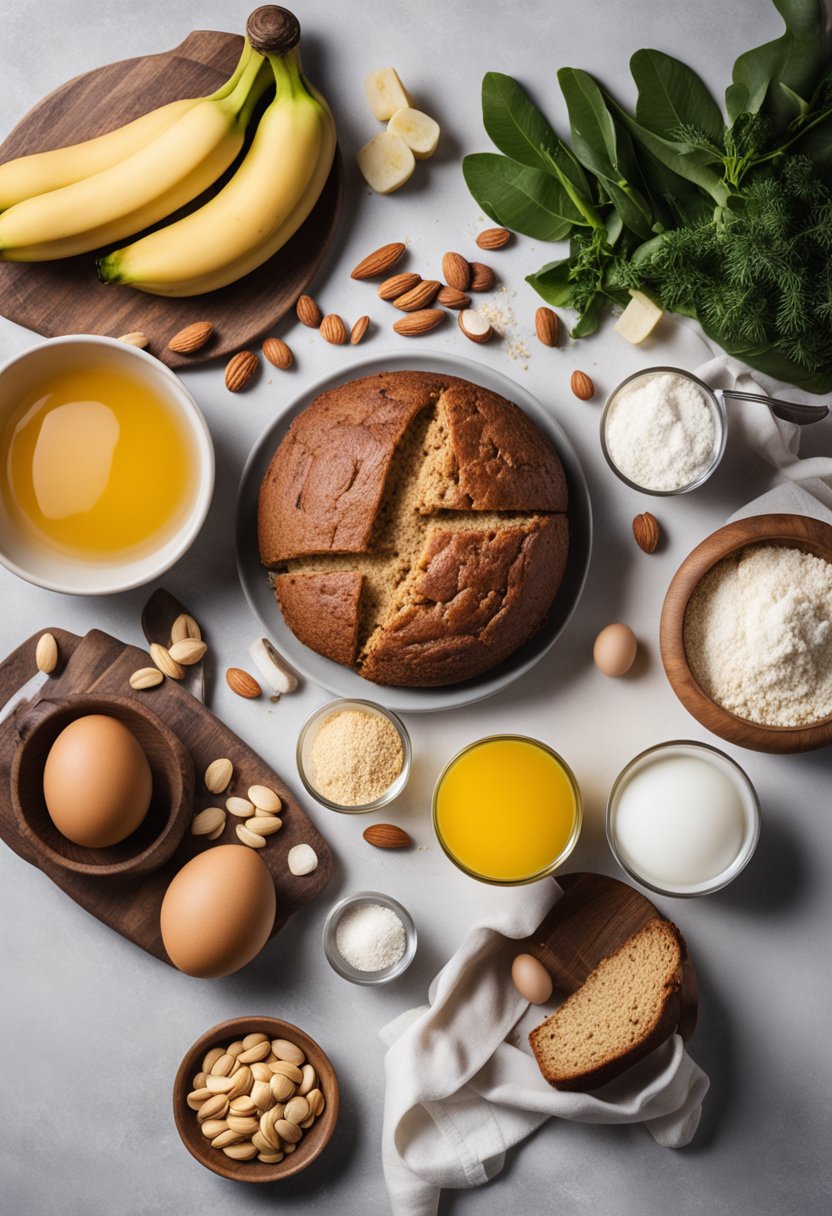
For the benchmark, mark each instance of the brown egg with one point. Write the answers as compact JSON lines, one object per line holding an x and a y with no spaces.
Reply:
{"x":531,"y":979}
{"x":97,"y":781}
{"x":218,"y":911}
{"x":615,"y":650}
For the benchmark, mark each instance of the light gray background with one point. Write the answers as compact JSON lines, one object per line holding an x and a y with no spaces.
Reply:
{"x":93,"y":1029}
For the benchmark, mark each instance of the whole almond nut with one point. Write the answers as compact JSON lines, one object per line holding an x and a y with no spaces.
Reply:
{"x":46,"y":653}
{"x":387,"y":836}
{"x":191,"y":338}
{"x":474,"y":325}
{"x":264,"y":799}
{"x":278,"y":353}
{"x":416,"y":323}
{"x":483,"y":277}
{"x":646,"y":531}
{"x":208,"y":821}
{"x":582,"y":386}
{"x":188,"y":651}
{"x":308,"y":312}
{"x":379,"y":261}
{"x":136,"y":338}
{"x":359,"y":330}
{"x":494,"y":238}
{"x":218,"y":775}
{"x":242,"y":683}
{"x":239,"y":370}
{"x":265,"y":825}
{"x":146,"y":677}
{"x":333,"y":329}
{"x":456,"y":271}
{"x":185,"y":627}
{"x":250,"y":838}
{"x":397,"y":285}
{"x":547,"y":326}
{"x":418,"y":297}
{"x":243,"y":809}
{"x":161,"y":657}
{"x":449,"y":297}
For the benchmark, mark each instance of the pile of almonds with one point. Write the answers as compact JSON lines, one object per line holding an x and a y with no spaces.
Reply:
{"x":186,"y":647}
{"x":254,"y":1099}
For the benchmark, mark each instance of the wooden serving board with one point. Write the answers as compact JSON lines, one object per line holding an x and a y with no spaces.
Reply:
{"x":593,"y":918}
{"x":101,"y":665}
{"x":65,"y":297}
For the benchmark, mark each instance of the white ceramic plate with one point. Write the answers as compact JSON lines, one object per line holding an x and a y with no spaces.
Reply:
{"x":341,"y":680}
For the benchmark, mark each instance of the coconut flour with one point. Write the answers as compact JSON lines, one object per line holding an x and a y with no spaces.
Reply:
{"x":660,"y":431}
{"x":758,"y":635}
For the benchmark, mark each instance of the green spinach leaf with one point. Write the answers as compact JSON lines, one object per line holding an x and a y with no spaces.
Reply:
{"x":671,"y":96}
{"x":520,"y":197}
{"x":795,"y":59}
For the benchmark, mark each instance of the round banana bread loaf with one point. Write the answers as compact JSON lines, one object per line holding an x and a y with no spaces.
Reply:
{"x":416,"y":525}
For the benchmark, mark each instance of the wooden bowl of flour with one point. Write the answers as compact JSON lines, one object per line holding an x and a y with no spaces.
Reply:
{"x":788,"y":531}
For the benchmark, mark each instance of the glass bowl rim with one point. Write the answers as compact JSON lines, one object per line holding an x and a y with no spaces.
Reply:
{"x":340,"y":966}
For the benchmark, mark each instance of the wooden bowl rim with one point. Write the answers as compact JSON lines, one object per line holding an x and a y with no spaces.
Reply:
{"x":164,"y":845}
{"x":733,"y":537}
{"x":185,"y":1119}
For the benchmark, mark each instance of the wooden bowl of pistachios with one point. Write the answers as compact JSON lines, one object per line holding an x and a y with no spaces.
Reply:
{"x":255,"y":1099}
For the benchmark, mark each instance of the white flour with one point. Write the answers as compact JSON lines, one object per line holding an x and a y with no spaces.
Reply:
{"x":660,"y":432}
{"x":370,"y":937}
{"x":758,"y":635}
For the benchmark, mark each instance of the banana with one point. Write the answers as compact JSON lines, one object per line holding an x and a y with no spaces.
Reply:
{"x":261,"y":207}
{"x":151,"y":183}
{"x":27,"y":176}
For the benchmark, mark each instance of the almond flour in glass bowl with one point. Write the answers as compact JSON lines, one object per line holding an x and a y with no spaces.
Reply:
{"x":358,"y":763}
{"x":663,"y":431}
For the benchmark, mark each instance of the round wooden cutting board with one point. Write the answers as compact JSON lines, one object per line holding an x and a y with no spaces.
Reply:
{"x":65,"y":297}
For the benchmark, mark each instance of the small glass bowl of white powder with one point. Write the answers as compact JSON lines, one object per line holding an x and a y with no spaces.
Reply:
{"x":369,"y":938}
{"x":663,"y":431}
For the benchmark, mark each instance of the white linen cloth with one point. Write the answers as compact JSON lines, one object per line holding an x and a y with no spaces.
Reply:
{"x":458,"y":1095}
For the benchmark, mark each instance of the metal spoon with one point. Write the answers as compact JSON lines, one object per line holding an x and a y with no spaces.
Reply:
{"x":789,"y":411}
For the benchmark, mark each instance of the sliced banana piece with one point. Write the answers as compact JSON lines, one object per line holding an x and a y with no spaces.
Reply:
{"x":419,"y":131}
{"x":273,"y":667}
{"x":386,"y":162}
{"x":386,"y":93}
{"x":639,"y":318}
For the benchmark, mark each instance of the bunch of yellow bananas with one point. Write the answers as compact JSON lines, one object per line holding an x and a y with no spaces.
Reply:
{"x":73,"y":200}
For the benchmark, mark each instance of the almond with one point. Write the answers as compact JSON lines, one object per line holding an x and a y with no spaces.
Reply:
{"x":46,"y":653}
{"x":474,"y":325}
{"x":387,"y":836}
{"x":647,"y":532}
{"x":278,"y":353}
{"x":359,"y":330}
{"x":188,"y":651}
{"x":218,"y":775}
{"x":418,"y":297}
{"x":136,"y":338}
{"x":191,"y":338}
{"x":145,"y":677}
{"x":450,"y":297}
{"x":417,"y":323}
{"x":308,"y":312}
{"x":168,"y":666}
{"x":582,"y":386}
{"x":547,"y":326}
{"x":333,"y":329}
{"x":397,"y":285}
{"x":379,"y":261}
{"x":494,"y":238}
{"x":456,"y":271}
{"x":242,"y":683}
{"x":239,"y":370}
{"x":483,"y":277}
{"x":185,"y":627}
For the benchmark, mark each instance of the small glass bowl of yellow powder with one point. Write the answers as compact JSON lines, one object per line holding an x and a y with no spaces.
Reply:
{"x":354,"y":756}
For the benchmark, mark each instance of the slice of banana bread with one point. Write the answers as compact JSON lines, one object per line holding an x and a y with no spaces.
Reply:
{"x":624,"y":1009}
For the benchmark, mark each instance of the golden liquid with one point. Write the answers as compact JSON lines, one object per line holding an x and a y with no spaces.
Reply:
{"x":506,"y":809}
{"x":96,"y":466}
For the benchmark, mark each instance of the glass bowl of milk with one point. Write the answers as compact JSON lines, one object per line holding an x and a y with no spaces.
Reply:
{"x":683,"y":818}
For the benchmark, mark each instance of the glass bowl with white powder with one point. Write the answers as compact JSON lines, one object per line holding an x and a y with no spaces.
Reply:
{"x":663,"y":431}
{"x":354,"y":756}
{"x":369,"y":938}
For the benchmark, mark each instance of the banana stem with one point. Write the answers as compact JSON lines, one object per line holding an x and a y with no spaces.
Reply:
{"x":225,"y":89}
{"x":255,"y":78}
{"x":288,"y":77}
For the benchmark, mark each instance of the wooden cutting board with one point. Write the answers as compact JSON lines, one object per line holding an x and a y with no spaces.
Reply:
{"x":65,"y":297}
{"x":100,"y":664}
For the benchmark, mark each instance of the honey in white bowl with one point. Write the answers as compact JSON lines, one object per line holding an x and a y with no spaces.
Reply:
{"x":97,"y":465}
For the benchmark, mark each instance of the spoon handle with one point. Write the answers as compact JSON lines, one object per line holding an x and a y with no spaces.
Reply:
{"x":791,"y":411}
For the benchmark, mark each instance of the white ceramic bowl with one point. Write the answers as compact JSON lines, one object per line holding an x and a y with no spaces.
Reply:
{"x":75,"y":576}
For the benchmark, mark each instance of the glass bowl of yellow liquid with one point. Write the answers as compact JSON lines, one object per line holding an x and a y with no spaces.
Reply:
{"x":106,"y":466}
{"x":507,"y":810}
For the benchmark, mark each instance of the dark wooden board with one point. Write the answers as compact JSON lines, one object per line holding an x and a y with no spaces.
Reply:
{"x":65,"y":297}
{"x":593,"y":918}
{"x":99,"y":664}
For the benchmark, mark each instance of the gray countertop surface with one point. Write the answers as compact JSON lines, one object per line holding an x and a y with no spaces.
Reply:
{"x":93,"y":1028}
